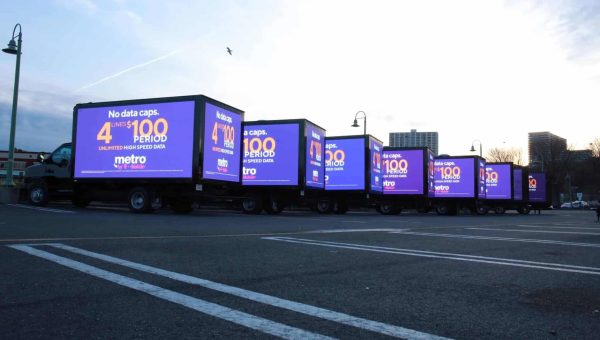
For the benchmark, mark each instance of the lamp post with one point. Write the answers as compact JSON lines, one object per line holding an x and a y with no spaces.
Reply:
{"x":13,"y":48}
{"x":364,"y":117}
{"x":480,"y":147}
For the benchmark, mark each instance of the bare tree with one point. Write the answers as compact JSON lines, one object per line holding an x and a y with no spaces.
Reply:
{"x":595,"y":147}
{"x":505,"y":155}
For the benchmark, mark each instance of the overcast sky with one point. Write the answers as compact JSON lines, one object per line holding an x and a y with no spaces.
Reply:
{"x":486,"y":70}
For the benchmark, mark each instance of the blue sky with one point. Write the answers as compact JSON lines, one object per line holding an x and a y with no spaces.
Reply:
{"x":487,"y":70}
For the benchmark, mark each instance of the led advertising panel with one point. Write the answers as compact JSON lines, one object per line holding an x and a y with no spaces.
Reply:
{"x":345,"y":164}
{"x":375,"y":150}
{"x":455,"y":177}
{"x":315,"y":148}
{"x":431,"y":173}
{"x":271,"y":154}
{"x":518,"y":184}
{"x":498,"y":181}
{"x":135,"y":141}
{"x":403,"y":172}
{"x":222,"y":145}
{"x":537,"y":187}
{"x":481,"y":178}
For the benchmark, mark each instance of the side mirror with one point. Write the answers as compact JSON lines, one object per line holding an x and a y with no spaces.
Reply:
{"x":40,"y":157}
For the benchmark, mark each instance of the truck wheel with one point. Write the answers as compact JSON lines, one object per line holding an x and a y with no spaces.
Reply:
{"x":524,"y":210}
{"x":140,"y":200}
{"x":38,"y":194}
{"x":324,"y":206}
{"x":181,"y":206}
{"x":387,"y":208}
{"x":252,"y":205}
{"x":80,"y":202}
{"x":499,"y":210}
{"x":274,"y":206}
{"x":340,"y":208}
{"x":442,"y":210}
{"x":481,"y":210}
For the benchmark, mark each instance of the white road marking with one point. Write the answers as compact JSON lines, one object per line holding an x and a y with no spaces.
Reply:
{"x":298,"y":307}
{"x":447,"y":256}
{"x":218,"y":311}
{"x":539,"y":231}
{"x":526,"y":240}
{"x":60,"y":211}
{"x":551,"y":227}
{"x":335,"y":231}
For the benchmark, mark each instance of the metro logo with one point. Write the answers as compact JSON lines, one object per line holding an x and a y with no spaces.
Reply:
{"x":133,"y":159}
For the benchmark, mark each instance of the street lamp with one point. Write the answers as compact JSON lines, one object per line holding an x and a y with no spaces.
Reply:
{"x":480,"y":147}
{"x":364,"y":117}
{"x":13,"y":48}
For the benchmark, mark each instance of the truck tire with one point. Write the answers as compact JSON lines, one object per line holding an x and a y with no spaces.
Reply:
{"x":38,"y":195}
{"x":387,"y":208}
{"x":80,"y":202}
{"x":499,"y":210}
{"x":252,"y":205}
{"x":482,"y":210}
{"x":181,"y":206}
{"x":274,"y":206}
{"x":524,"y":210}
{"x":340,"y":207}
{"x":140,"y":200}
{"x":324,"y":206}
{"x":442,"y":210}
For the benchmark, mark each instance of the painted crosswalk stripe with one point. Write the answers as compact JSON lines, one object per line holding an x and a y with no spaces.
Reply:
{"x":493,"y":238}
{"x":218,"y":311}
{"x":322,"y":313}
{"x":447,"y":256}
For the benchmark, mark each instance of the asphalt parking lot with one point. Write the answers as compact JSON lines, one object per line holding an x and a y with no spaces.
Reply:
{"x":104,"y":273}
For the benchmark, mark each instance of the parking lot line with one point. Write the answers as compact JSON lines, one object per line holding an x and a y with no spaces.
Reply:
{"x":322,"y":313}
{"x":553,"y":227}
{"x":538,"y":231}
{"x":59,"y":211}
{"x":493,"y":238}
{"x":447,"y":256}
{"x":205,"y":307}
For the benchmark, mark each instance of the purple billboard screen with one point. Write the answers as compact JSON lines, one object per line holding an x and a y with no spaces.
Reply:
{"x":271,"y":154}
{"x":537,"y":187}
{"x":135,"y":141}
{"x":482,"y":188}
{"x":345,"y":164}
{"x":455,"y":177}
{"x":430,"y":173}
{"x":222,"y":145}
{"x":498,"y":181}
{"x":315,"y":148}
{"x":375,"y":150}
{"x":403,"y":172}
{"x":518,"y":184}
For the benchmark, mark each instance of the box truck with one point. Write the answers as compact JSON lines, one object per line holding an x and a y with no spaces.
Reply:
{"x":149,"y":153}
{"x":504,"y":187}
{"x":408,"y":180}
{"x":283,"y":164}
{"x":459,"y":183}
{"x":353,"y":174}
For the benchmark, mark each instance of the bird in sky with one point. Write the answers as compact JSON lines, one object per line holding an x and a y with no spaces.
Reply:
{"x":229,"y":50}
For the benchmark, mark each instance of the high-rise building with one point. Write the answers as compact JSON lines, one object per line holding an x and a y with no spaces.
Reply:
{"x":414,"y":138}
{"x":545,"y":147}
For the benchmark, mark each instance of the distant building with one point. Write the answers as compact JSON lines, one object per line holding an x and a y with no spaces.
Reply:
{"x":414,"y":138}
{"x":23,"y":159}
{"x":545,"y":147}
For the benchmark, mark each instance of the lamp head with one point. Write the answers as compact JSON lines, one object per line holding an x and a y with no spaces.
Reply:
{"x":472,"y":148}
{"x":355,"y":124}
{"x":12,"y":47}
